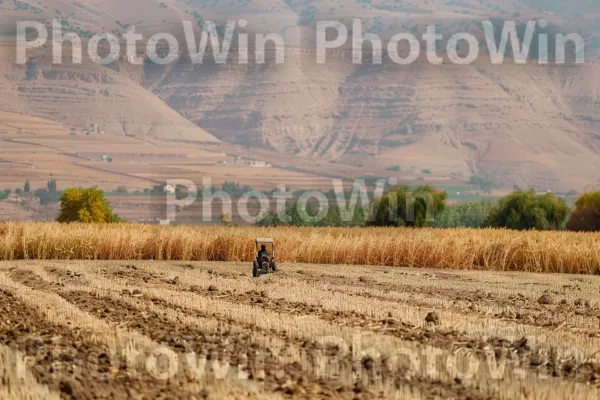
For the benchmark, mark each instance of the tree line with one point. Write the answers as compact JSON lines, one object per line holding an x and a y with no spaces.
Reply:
{"x":424,"y":206}
{"x":47,"y":195}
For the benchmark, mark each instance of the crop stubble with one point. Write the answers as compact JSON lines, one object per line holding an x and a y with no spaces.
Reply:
{"x":270,"y":332}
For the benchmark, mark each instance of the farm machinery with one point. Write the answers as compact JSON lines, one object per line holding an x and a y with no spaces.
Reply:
{"x":265,"y":260}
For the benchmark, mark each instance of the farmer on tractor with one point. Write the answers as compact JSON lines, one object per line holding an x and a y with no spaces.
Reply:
{"x":265,"y":259}
{"x":262,"y":252}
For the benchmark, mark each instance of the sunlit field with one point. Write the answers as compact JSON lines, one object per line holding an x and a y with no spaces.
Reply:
{"x":140,"y":329}
{"x":500,"y":250}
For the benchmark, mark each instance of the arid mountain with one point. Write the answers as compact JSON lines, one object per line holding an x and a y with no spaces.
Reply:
{"x":520,"y":124}
{"x":89,"y":95}
{"x":530,"y":125}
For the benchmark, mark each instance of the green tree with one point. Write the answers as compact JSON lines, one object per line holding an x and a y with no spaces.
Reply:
{"x":484,"y":182}
{"x":466,"y":215}
{"x":48,"y":195}
{"x":403,"y":207}
{"x":335,"y":216}
{"x":43,"y":195}
{"x":51,"y":186}
{"x":86,"y":205}
{"x":294,"y":216}
{"x":269,"y":219}
{"x":586,"y":217}
{"x":234,"y":189}
{"x":26,"y":187}
{"x":525,"y":210}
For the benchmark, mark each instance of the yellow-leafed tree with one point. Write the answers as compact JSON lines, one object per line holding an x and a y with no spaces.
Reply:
{"x":586,"y":217}
{"x":87,"y":206}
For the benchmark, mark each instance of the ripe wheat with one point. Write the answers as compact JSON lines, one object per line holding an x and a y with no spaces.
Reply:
{"x":503,"y":250}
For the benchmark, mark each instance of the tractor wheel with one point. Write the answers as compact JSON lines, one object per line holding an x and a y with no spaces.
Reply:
{"x":255,"y":270}
{"x":274,"y":268}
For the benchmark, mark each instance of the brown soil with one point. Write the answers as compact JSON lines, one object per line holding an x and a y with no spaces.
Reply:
{"x":518,"y":307}
{"x":289,"y":380}
{"x":237,"y":342}
{"x":518,"y":352}
{"x":69,"y":362}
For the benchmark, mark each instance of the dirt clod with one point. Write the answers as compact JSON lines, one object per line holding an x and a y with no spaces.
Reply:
{"x":522,"y":344}
{"x":66,"y":388}
{"x":546,"y":299}
{"x":433,"y":318}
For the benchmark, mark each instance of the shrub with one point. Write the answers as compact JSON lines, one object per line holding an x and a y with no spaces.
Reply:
{"x":235,"y":190}
{"x":5,"y":193}
{"x":525,"y":210}
{"x":485,"y":183}
{"x":86,"y":205}
{"x":586,"y":217}
{"x":466,"y":215}
{"x":48,"y":195}
{"x":311,"y":217}
{"x":226,"y":219}
{"x":403,"y":207}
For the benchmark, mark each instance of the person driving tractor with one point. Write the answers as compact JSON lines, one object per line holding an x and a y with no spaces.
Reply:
{"x":265,"y":257}
{"x":262,"y":252}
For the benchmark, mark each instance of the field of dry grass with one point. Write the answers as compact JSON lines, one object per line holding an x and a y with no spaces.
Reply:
{"x":142,"y":329}
{"x":40,"y":149}
{"x":461,"y":249}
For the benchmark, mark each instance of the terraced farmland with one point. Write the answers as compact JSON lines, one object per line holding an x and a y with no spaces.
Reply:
{"x":106,"y":329}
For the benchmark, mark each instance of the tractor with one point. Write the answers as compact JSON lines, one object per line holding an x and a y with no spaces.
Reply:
{"x":265,"y":260}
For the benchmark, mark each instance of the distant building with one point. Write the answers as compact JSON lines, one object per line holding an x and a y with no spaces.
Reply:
{"x":93,"y":128}
{"x":252,"y":163}
{"x":259,"y":164}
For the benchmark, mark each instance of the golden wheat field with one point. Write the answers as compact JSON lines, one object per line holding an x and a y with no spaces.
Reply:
{"x":500,"y":250}
{"x":193,"y":330}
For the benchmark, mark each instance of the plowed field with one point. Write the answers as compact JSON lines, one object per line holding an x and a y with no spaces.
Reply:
{"x":178,"y":330}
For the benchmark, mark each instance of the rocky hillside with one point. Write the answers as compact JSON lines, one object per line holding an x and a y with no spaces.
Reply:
{"x":521,"y":124}
{"x":89,"y":95}
{"x":526,"y":125}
